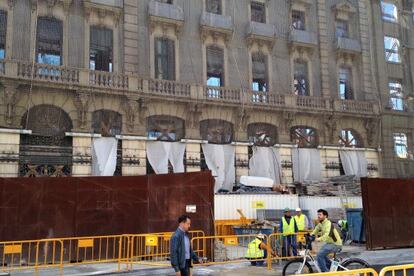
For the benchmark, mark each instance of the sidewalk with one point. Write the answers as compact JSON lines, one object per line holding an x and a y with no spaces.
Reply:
{"x":377,"y":259}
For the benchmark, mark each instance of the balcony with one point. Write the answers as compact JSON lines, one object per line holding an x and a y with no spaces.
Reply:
{"x":257,"y":31}
{"x":165,"y":14}
{"x":112,"y":83}
{"x":216,"y":24}
{"x":348,"y":45}
{"x":303,"y":38}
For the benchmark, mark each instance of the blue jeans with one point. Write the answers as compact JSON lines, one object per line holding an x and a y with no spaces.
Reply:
{"x":323,"y":253}
{"x":289,"y":242}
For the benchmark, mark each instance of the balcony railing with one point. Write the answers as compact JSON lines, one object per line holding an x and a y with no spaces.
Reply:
{"x":312,"y":102}
{"x":266,"y":98}
{"x":108,"y":82}
{"x":169,"y":88}
{"x":47,"y":72}
{"x":108,"y":79}
{"x":223,"y":94}
{"x":354,"y":106}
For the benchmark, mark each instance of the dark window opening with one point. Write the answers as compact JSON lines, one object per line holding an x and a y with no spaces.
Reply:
{"x":215,"y":71}
{"x":300,"y":78}
{"x":101,"y":49}
{"x":345,"y":84}
{"x":342,"y":29}
{"x":214,"y":6}
{"x":259,"y":72}
{"x":164,"y":59}
{"x":304,"y":137}
{"x":49,"y":41}
{"x":3,"y":31}
{"x":298,"y":20}
{"x":258,"y":12}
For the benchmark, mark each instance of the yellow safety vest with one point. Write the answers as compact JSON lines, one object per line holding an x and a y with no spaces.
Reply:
{"x":254,"y":251}
{"x":288,"y":229}
{"x":300,"y":222}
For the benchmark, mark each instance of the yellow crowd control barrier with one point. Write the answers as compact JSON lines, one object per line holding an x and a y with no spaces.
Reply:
{"x":95,"y":249}
{"x":355,"y":272}
{"x":398,"y":269}
{"x":152,"y":249}
{"x":31,"y":255}
{"x":227,"y":249}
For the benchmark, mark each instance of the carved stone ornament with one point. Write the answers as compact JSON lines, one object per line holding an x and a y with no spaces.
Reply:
{"x":82,"y":101}
{"x":10,"y":92}
{"x":330,"y":124}
{"x":193,"y":115}
{"x":131,"y":109}
{"x":241,"y":116}
{"x":371,"y":127}
{"x":288,"y":118}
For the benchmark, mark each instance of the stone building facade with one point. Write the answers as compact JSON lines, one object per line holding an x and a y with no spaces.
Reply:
{"x":308,"y":73}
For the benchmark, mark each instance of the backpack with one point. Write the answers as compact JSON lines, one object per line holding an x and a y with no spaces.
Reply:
{"x":334,"y":227}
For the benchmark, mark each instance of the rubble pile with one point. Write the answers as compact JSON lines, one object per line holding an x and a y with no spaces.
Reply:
{"x":347,"y":185}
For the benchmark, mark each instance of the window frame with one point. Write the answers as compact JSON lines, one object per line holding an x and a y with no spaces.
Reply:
{"x":389,"y":52}
{"x":252,"y":14}
{"x":262,"y":84}
{"x":393,"y":18}
{"x":165,"y":51}
{"x":395,"y":87}
{"x":111,"y":51}
{"x":208,"y":6}
{"x":349,"y":138}
{"x":346,"y":31}
{"x":305,"y":76}
{"x":302,"y":17}
{"x":3,"y":35}
{"x":49,"y":52}
{"x":400,"y":141}
{"x":304,"y":136}
{"x":348,"y":94}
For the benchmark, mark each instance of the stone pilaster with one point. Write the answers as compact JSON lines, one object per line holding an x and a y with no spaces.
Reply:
{"x":242,"y":160}
{"x":324,"y":47}
{"x":130,"y":35}
{"x":82,"y":154}
{"x":134,"y":156}
{"x":9,"y":152}
{"x":192,"y":158}
{"x":287,"y":166}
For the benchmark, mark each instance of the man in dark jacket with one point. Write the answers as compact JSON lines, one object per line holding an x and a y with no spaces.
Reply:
{"x":180,"y":248}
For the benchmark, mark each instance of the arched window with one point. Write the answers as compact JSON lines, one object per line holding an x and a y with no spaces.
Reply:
{"x":47,"y":151}
{"x":262,"y":134}
{"x":304,"y":137}
{"x":350,"y":138}
{"x":165,"y":128}
{"x":216,"y":131}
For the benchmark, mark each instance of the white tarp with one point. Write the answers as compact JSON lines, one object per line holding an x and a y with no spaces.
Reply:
{"x":104,"y":156}
{"x":220,"y":160}
{"x":159,"y":153}
{"x":354,"y":162}
{"x":265,"y":162}
{"x":307,"y":165}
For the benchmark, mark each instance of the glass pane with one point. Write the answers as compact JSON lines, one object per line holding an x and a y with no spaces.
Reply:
{"x":341,"y":28}
{"x":258,"y":12}
{"x":389,"y":12}
{"x":298,"y":20}
{"x":213,"y":6}
{"x":213,"y":81}
{"x":400,"y":145}
{"x":392,"y":46}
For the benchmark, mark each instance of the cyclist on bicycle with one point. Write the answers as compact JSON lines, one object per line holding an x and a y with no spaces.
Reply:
{"x":326,"y":233}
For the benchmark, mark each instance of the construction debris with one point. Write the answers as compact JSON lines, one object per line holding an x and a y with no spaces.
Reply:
{"x":347,"y":185}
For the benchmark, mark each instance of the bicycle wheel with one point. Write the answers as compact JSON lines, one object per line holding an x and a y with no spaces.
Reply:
{"x":354,"y":263}
{"x":293,"y":267}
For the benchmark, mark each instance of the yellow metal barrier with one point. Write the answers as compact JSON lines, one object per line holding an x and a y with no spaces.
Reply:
{"x":356,"y":272}
{"x":402,"y":269}
{"x":152,"y":249}
{"x":31,"y":255}
{"x":95,"y":249}
{"x":225,"y":249}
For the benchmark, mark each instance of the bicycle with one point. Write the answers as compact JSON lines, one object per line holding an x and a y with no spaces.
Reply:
{"x":306,"y":262}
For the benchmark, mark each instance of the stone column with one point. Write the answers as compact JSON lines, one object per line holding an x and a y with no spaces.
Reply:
{"x":330,"y":158}
{"x":287,"y":169}
{"x":134,"y":155}
{"x":242,"y":160}
{"x":9,"y":151}
{"x":82,"y":153}
{"x":323,"y":47}
{"x":193,"y":157}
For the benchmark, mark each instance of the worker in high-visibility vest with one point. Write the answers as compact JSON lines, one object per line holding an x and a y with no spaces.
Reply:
{"x":289,"y":230}
{"x":302,"y":221}
{"x":257,"y":250}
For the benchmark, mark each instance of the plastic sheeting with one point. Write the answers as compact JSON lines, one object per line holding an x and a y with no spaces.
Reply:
{"x":354,"y":162}
{"x":159,"y":153}
{"x":104,"y":156}
{"x":307,"y":165}
{"x":220,"y":160}
{"x":265,"y":162}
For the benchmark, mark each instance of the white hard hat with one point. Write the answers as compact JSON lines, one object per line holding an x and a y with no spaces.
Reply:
{"x":260,"y":236}
{"x":298,"y":210}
